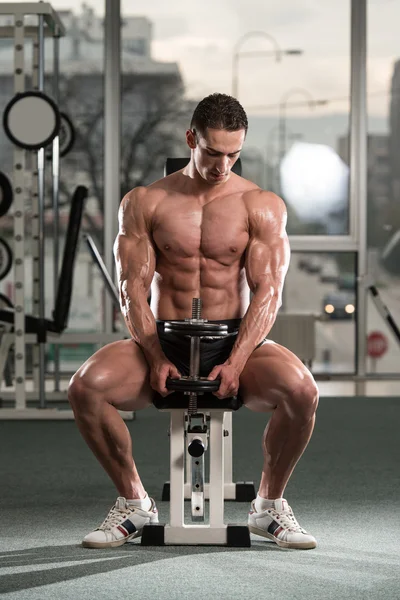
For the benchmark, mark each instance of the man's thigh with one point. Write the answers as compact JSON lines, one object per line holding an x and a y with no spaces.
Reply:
{"x":119,"y":371}
{"x":271,"y":375}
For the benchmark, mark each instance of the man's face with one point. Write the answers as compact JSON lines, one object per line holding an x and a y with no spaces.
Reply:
{"x":215,"y":153}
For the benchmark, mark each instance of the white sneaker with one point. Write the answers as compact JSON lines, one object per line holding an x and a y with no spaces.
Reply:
{"x":123,"y":523}
{"x":280,"y":525}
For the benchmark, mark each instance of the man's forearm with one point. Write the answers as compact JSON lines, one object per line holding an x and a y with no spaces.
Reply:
{"x":255,"y":326}
{"x":141,"y":324}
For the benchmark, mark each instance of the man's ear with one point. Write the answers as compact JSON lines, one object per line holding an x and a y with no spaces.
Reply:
{"x":191,"y":139}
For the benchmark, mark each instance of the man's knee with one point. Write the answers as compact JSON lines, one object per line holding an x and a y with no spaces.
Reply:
{"x":97,"y":383}
{"x":83,"y":388}
{"x":304,"y":399}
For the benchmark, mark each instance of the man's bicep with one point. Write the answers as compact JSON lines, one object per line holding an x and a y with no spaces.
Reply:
{"x":135,"y":259}
{"x":267,"y":262}
{"x":268,"y":253}
{"x":133,"y":249}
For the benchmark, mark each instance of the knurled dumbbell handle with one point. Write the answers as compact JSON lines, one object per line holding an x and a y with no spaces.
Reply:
{"x":194,"y":357}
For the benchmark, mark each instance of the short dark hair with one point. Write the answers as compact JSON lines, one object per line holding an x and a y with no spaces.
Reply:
{"x":219,"y":111}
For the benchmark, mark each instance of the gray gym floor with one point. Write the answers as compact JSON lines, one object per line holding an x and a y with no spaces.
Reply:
{"x":345,"y":491}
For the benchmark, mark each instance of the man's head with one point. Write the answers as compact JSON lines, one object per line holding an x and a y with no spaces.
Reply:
{"x":217,"y":132}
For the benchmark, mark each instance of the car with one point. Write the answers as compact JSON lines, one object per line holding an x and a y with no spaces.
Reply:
{"x":339,"y":305}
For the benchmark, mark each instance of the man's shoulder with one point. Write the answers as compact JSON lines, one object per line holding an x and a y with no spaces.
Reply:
{"x":144,"y":193}
{"x":258,"y":199}
{"x":144,"y":198}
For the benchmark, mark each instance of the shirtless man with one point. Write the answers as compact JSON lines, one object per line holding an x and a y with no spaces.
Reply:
{"x":202,"y":232}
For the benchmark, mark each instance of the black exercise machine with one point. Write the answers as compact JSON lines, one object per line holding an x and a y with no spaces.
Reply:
{"x":55,"y":326}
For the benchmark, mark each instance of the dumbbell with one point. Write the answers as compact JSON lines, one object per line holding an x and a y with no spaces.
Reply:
{"x":193,"y":385}
{"x":195,"y":328}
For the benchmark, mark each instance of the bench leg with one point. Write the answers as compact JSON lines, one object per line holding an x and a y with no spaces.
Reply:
{"x":176,"y":532}
{"x":216,"y":489}
{"x":177,"y":468}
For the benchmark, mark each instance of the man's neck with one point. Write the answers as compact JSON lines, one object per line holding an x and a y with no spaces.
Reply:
{"x":199,"y":186}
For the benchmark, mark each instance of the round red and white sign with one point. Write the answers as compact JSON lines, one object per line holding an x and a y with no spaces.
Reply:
{"x":377,"y":344}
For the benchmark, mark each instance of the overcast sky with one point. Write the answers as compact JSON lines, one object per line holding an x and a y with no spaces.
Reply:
{"x":200,"y":36}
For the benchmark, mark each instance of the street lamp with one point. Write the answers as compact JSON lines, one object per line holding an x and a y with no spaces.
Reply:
{"x":282,"y":114}
{"x":251,"y":154}
{"x":270,"y":160}
{"x":277,"y":52}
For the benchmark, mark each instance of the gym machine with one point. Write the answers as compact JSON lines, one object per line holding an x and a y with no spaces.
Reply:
{"x":38,"y":131}
{"x":31,"y":120}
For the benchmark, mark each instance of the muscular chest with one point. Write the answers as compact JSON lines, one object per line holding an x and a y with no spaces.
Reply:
{"x":217,"y":230}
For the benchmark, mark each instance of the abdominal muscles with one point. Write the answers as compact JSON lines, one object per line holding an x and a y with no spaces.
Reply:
{"x":223,"y":291}
{"x":201,"y":254}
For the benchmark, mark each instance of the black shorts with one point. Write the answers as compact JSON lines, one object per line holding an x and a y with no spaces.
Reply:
{"x":212,"y":351}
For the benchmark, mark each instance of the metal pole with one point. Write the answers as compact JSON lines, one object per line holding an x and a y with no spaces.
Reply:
{"x":277,"y":52}
{"x":112,"y":140}
{"x":282,"y":116}
{"x":194,"y":357}
{"x":42,"y":346}
{"x":270,"y":159}
{"x":35,"y":226}
{"x":55,"y":164}
{"x":282,"y":138}
{"x":235,"y":90}
{"x":19,"y":172}
{"x":282,"y":150}
{"x":358,"y":174}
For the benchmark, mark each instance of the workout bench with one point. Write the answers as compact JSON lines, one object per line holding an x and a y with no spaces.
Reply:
{"x":197,"y":422}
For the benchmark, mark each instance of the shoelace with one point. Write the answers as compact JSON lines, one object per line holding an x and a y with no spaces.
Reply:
{"x":114,"y":517}
{"x":287,"y":520}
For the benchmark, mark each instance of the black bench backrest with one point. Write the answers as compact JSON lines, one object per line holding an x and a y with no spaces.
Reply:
{"x":65,"y":280}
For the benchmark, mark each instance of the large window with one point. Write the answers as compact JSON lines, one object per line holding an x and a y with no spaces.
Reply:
{"x":290,"y":71}
{"x":289,"y":65}
{"x":383,"y":192}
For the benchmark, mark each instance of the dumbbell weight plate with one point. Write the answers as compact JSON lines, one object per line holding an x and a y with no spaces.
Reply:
{"x":196,"y":329}
{"x":66,"y":137}
{"x":66,"y":133}
{"x":31,"y":120}
{"x":186,"y":384}
{"x":5,"y":258}
{"x":6,"y":194}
